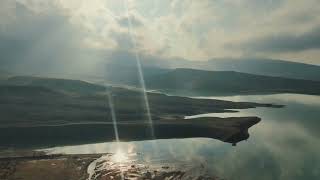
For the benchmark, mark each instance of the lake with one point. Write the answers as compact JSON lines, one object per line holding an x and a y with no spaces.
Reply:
{"x":284,"y":145}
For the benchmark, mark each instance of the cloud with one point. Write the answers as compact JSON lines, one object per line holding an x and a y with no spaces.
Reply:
{"x":278,"y":29}
{"x":64,"y":32}
{"x":135,"y":21}
{"x":42,"y":42}
{"x":282,"y":42}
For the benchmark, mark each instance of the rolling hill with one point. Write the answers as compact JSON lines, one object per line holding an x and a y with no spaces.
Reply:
{"x":267,"y":67}
{"x":228,"y":82}
{"x":65,"y":85}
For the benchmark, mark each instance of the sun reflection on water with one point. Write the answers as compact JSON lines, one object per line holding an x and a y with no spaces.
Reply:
{"x":120,"y":157}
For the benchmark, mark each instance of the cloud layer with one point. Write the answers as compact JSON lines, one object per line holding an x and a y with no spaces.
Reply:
{"x":78,"y":33}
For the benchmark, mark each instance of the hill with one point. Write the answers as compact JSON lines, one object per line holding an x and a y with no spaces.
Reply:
{"x":64,"y":85}
{"x":33,"y":115}
{"x":268,"y":67}
{"x":228,"y":82}
{"x":124,"y":70}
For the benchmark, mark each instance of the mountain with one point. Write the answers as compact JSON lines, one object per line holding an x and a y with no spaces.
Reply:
{"x":228,"y":82}
{"x":268,"y":67}
{"x":259,"y":66}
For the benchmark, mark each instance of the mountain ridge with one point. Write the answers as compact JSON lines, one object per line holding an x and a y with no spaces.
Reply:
{"x":229,"y":82}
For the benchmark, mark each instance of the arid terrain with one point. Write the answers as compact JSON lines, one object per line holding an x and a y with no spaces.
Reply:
{"x":86,"y":167}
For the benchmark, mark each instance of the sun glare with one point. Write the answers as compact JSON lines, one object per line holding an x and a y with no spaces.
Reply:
{"x":120,"y":156}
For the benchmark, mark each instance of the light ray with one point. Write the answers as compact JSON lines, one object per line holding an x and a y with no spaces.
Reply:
{"x":119,"y":156}
{"x":140,"y":72}
{"x":113,"y":116}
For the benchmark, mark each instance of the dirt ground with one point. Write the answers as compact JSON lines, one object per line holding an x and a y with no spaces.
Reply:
{"x":71,"y":167}
{"x":75,"y":167}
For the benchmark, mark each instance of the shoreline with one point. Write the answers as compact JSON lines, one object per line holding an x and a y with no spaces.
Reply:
{"x":231,"y":130}
{"x":91,"y":167}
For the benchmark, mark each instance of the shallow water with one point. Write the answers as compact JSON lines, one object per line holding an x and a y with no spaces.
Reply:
{"x":284,"y":145}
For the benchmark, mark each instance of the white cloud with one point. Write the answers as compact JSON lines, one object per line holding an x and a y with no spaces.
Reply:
{"x":189,"y":29}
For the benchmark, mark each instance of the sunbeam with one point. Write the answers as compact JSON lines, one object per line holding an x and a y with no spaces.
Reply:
{"x":113,"y":116}
{"x":140,"y":72}
{"x":119,"y":156}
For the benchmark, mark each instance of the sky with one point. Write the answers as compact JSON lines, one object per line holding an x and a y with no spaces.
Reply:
{"x":83,"y":33}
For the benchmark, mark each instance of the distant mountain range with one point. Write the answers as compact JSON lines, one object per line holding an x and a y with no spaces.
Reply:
{"x":216,"y":76}
{"x":121,"y":67}
{"x":260,"y":66}
{"x":219,"y":76}
{"x":268,"y":67}
{"x":202,"y":82}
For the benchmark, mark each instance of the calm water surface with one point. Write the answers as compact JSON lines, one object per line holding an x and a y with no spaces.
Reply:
{"x":284,"y":145}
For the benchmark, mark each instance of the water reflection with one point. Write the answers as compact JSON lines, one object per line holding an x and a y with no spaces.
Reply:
{"x":285,"y":145}
{"x":120,"y":157}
